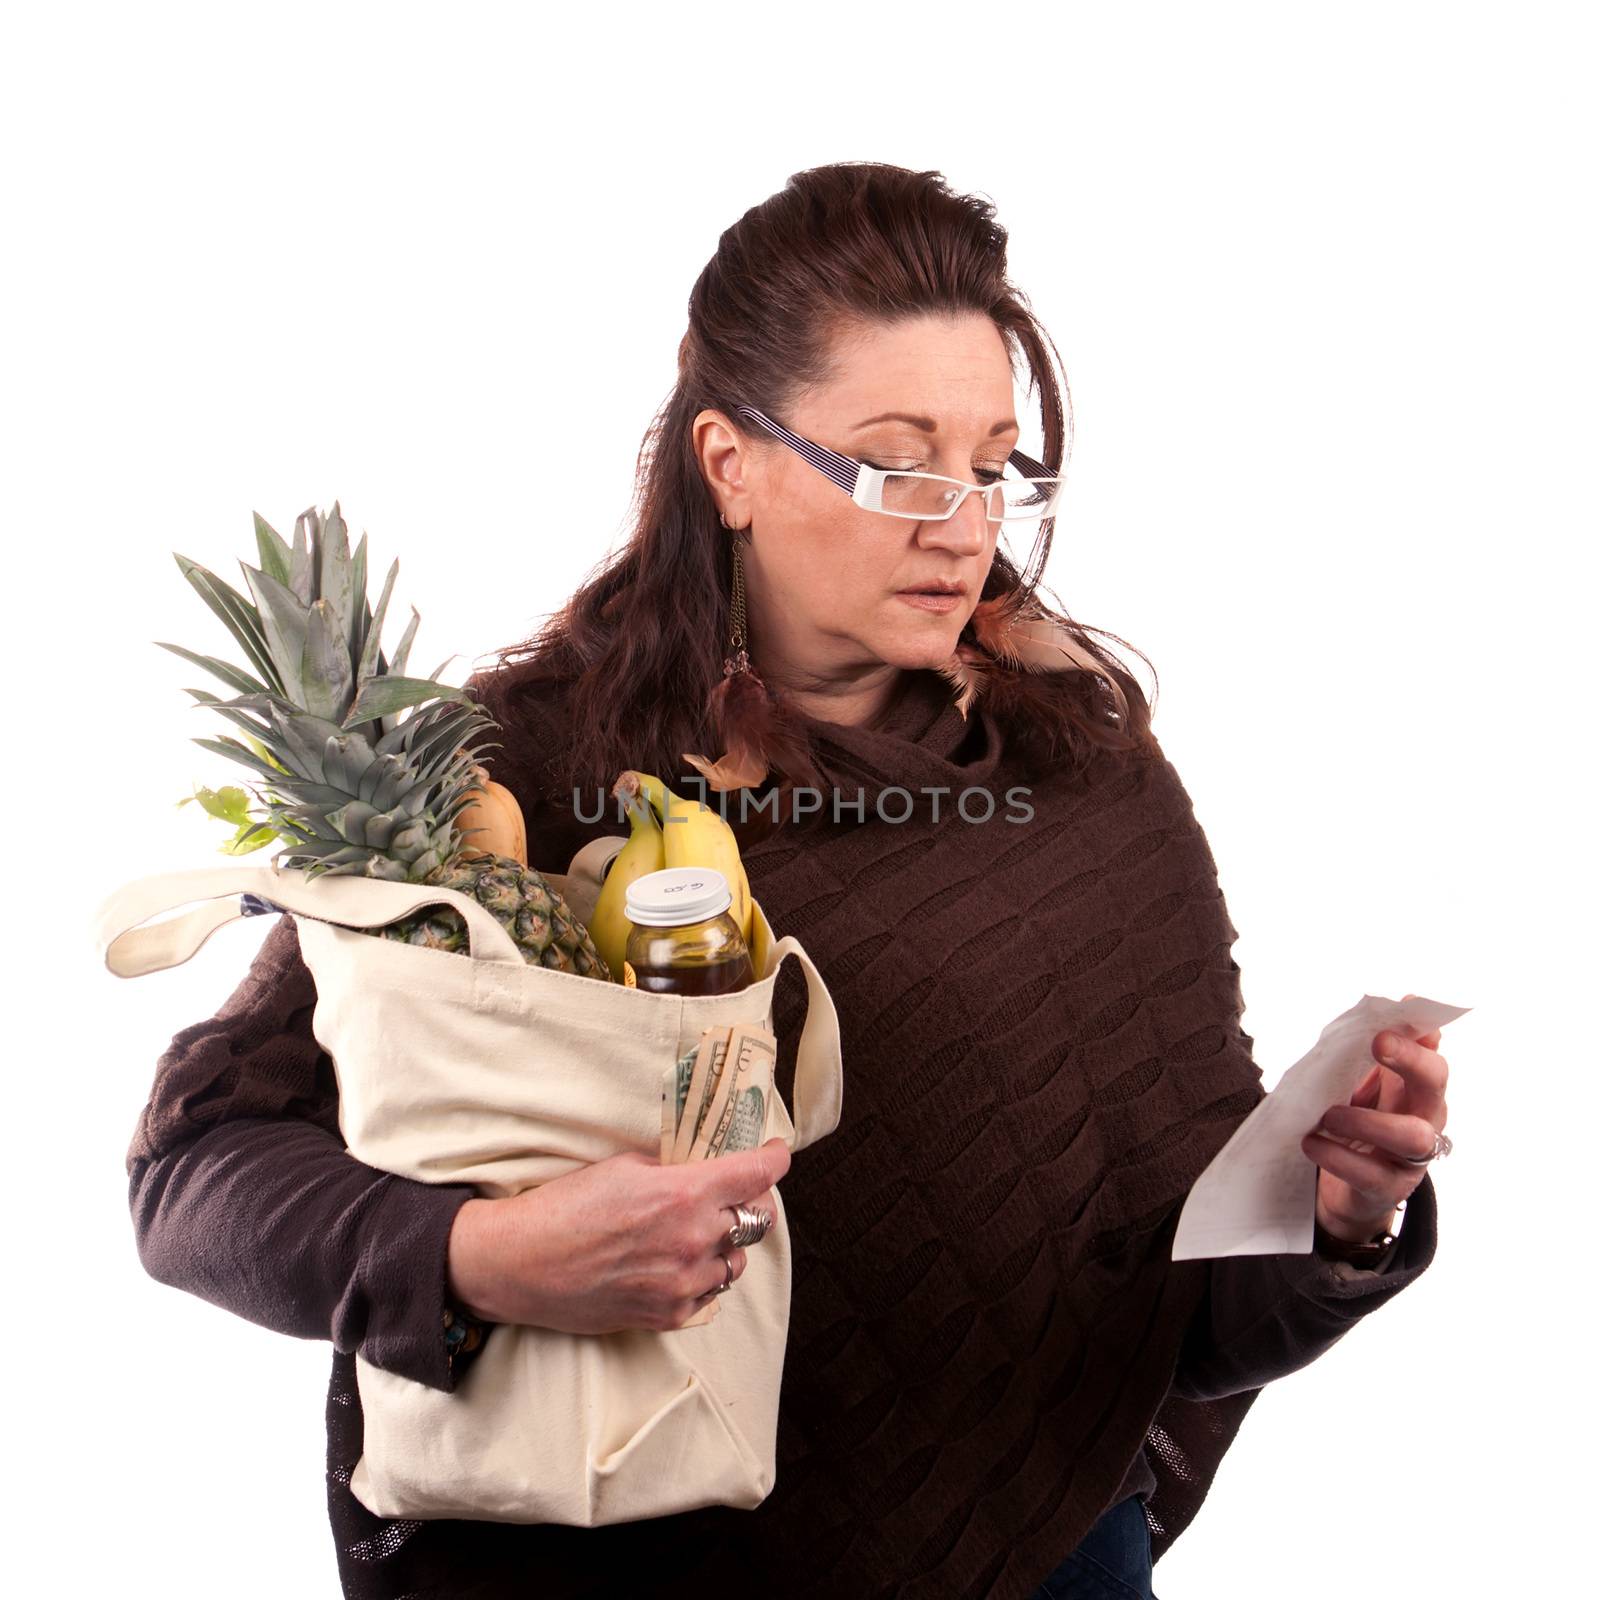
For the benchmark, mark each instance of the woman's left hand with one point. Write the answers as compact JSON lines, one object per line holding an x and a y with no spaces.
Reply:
{"x":1395,"y":1113}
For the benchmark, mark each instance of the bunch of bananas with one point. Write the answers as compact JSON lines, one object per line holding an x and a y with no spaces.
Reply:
{"x":665,"y":830}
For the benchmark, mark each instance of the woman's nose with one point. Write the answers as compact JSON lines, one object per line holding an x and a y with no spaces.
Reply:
{"x":966,"y":533}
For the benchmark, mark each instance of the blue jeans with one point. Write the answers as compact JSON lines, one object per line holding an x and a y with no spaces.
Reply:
{"x":1112,"y":1562}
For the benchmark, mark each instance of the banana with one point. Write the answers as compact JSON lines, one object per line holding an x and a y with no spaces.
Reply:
{"x":695,"y":835}
{"x":644,"y":852}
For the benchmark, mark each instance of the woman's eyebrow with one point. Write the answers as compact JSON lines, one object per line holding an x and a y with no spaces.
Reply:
{"x":927,"y":424}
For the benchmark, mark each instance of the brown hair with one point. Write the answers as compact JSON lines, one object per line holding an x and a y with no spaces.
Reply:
{"x":639,"y":647}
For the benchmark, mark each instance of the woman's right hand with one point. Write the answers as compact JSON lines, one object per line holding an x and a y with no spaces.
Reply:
{"x":622,"y":1243}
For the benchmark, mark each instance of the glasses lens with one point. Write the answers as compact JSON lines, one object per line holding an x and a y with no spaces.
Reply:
{"x":913,"y":494}
{"x":1026,"y":498}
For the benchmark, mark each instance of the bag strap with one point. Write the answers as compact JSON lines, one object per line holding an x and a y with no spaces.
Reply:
{"x":819,"y":1068}
{"x":589,"y":860}
{"x":130,"y":950}
{"x":580,"y":887}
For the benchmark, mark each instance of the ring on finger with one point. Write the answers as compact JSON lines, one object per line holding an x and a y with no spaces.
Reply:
{"x":723,"y":1288}
{"x":749,"y":1227}
{"x":1441,"y":1147}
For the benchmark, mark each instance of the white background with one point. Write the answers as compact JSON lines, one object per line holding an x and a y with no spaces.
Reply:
{"x":1323,"y":280}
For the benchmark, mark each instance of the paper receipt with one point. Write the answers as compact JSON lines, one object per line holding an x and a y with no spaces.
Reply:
{"x":1259,"y":1194}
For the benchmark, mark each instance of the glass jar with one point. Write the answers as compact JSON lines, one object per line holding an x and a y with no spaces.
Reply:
{"x":684,"y":939}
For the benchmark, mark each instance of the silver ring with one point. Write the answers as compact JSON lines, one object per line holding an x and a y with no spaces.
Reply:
{"x":723,"y":1288}
{"x":750,"y":1227}
{"x":1441,"y":1147}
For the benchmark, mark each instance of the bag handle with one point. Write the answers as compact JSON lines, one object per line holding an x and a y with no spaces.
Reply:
{"x":819,"y":1067}
{"x":130,"y":950}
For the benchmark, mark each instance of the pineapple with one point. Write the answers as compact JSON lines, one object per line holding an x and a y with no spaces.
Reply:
{"x":353,"y":787}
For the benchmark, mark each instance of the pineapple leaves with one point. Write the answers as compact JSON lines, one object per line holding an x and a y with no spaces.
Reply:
{"x":334,"y":586}
{"x":301,"y":571}
{"x":236,"y":613}
{"x":371,"y":662}
{"x":351,"y":819}
{"x":381,"y":697}
{"x":356,"y":765}
{"x":398,"y":666}
{"x":360,"y":615}
{"x":232,"y":676}
{"x":274,"y":553}
{"x":283,"y":621}
{"x":234,"y":751}
{"x":345,"y":760}
{"x":255,"y":702}
{"x":437,"y":735}
{"x":262,"y":751}
{"x":382,"y":767}
{"x":305,"y":738}
{"x":325,"y":665}
{"x":393,"y":778}
{"x":323,"y":847}
{"x":223,"y":708}
{"x":308,"y":794}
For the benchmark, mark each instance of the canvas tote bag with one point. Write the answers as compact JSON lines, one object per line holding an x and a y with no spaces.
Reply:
{"x":482,"y":1069}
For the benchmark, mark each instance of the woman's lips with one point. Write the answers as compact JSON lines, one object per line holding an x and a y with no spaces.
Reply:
{"x":926,"y":600}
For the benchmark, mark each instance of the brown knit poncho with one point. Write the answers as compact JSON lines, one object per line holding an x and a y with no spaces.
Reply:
{"x":989,"y":1343}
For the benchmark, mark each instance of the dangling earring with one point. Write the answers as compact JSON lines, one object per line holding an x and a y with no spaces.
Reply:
{"x":756,"y":727}
{"x":737,"y":658}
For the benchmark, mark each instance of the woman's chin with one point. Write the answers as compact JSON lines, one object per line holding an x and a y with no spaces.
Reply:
{"x":920,"y":647}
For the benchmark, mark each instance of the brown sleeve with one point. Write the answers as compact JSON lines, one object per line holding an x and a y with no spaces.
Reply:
{"x":242,"y":1192}
{"x":1265,"y":1316}
{"x":257,"y":1057}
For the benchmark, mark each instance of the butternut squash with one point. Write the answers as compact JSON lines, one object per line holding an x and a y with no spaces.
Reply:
{"x":493,"y":808}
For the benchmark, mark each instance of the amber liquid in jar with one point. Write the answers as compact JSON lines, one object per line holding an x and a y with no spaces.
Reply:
{"x":707,"y":957}
{"x":707,"y":977}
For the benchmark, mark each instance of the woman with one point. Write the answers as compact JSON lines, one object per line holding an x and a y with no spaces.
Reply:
{"x":997,"y":1382}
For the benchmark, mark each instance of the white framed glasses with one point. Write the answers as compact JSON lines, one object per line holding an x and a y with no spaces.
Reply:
{"x":926,"y":496}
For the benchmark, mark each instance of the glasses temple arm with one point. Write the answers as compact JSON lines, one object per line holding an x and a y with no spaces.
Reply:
{"x":1030,"y":467}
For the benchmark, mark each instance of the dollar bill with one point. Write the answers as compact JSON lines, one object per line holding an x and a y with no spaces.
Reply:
{"x":715,"y":1097}
{"x":707,"y":1073}
{"x":727,"y":1084}
{"x":674,"y":1093}
{"x":736,"y":1116}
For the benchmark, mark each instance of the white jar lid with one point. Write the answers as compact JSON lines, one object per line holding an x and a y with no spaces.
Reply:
{"x":676,"y":896}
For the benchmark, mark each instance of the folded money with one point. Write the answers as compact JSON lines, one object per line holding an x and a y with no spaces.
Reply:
{"x":714,"y":1101}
